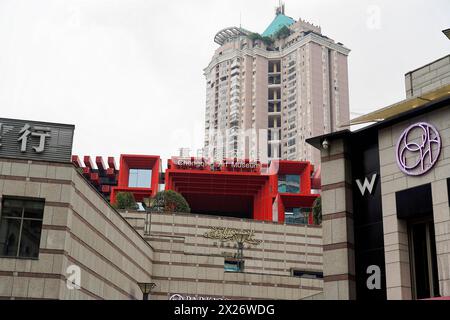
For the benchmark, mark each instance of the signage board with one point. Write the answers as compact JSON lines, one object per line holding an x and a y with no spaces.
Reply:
{"x":418,"y":149}
{"x":36,"y":140}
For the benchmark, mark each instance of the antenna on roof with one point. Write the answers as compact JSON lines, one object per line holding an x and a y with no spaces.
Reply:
{"x":280,"y":8}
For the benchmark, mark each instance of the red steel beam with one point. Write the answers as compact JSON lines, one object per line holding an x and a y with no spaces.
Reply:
{"x":76,"y":161}
{"x":99,"y":162}
{"x":95,"y":178}
{"x":112,"y":163}
{"x":88,"y":162}
{"x":110,"y":172}
{"x":86,"y":172}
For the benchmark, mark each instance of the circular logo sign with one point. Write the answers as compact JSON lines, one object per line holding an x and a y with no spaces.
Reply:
{"x":418,"y":149}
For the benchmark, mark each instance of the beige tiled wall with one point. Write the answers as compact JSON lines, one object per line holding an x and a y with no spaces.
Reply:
{"x":428,"y":78}
{"x":79,"y":228}
{"x":189,"y":264}
{"x":337,"y":211}
{"x":395,"y":231}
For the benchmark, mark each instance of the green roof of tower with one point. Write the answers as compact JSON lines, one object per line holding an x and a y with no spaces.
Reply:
{"x":280,"y":21}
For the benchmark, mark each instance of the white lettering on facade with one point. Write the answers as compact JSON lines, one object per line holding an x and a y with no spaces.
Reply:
{"x":367,"y":185}
{"x":202,"y":163}
{"x":190,"y":163}
{"x":178,"y":296}
{"x":37,"y":131}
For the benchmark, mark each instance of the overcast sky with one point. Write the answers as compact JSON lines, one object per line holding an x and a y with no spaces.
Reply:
{"x":129,"y":73}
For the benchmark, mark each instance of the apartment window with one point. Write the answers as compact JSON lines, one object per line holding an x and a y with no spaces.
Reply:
{"x":20,"y":227}
{"x":139,"y":178}
{"x":291,"y":142}
{"x":289,"y":183}
{"x":296,"y":215}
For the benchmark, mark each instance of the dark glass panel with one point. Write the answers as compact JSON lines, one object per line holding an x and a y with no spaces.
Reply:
{"x":9,"y":236}
{"x":30,"y":239}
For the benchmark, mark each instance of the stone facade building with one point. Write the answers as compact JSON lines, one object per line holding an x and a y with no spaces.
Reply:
{"x":60,"y":239}
{"x":385,"y":201}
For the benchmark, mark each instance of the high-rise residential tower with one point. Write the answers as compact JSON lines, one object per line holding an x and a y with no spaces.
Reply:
{"x":266,"y":93}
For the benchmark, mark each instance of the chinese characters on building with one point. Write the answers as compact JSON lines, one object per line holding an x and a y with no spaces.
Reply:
{"x":36,"y":140}
{"x":27,"y":131}
{"x":36,"y":131}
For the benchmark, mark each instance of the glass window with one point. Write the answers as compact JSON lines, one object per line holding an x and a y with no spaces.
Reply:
{"x":307,"y":274}
{"x":20,"y":227}
{"x":297,"y":215}
{"x":232,"y":265}
{"x":140,"y":178}
{"x":289,"y":183}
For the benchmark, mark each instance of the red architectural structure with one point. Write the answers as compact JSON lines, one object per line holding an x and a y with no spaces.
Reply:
{"x":242,"y":188}
{"x":239,"y":188}
{"x":103,"y":178}
{"x":137,"y":162}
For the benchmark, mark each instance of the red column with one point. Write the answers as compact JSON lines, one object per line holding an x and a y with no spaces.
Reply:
{"x":124,"y":173}
{"x":281,"y":210}
{"x":256,"y":206}
{"x":268,"y":202}
{"x":306,"y":180}
{"x":155,"y":177}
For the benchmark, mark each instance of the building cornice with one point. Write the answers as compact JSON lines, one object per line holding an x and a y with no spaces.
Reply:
{"x":311,"y":37}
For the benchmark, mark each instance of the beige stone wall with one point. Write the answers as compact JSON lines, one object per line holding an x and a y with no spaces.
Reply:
{"x":79,"y":228}
{"x":189,"y":264}
{"x":337,"y":211}
{"x":395,"y":231}
{"x":428,"y":78}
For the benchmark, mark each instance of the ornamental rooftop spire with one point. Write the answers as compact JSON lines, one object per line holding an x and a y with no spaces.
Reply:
{"x":279,"y":22}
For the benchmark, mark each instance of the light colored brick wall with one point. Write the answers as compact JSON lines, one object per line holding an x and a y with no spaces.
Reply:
{"x":337,"y":211}
{"x":190,"y":264}
{"x":79,"y":228}
{"x":395,"y":231}
{"x":428,"y":78}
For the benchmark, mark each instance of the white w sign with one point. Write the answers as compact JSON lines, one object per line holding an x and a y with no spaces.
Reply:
{"x":367,"y":185}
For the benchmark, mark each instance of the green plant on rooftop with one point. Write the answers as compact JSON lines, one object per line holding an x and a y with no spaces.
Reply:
{"x":282,"y":33}
{"x":268,"y":41}
{"x":317,"y":211}
{"x":169,"y":201}
{"x":125,"y":201}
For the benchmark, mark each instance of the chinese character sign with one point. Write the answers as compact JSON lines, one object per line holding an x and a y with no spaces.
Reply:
{"x":36,"y":140}
{"x":41,"y":132}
